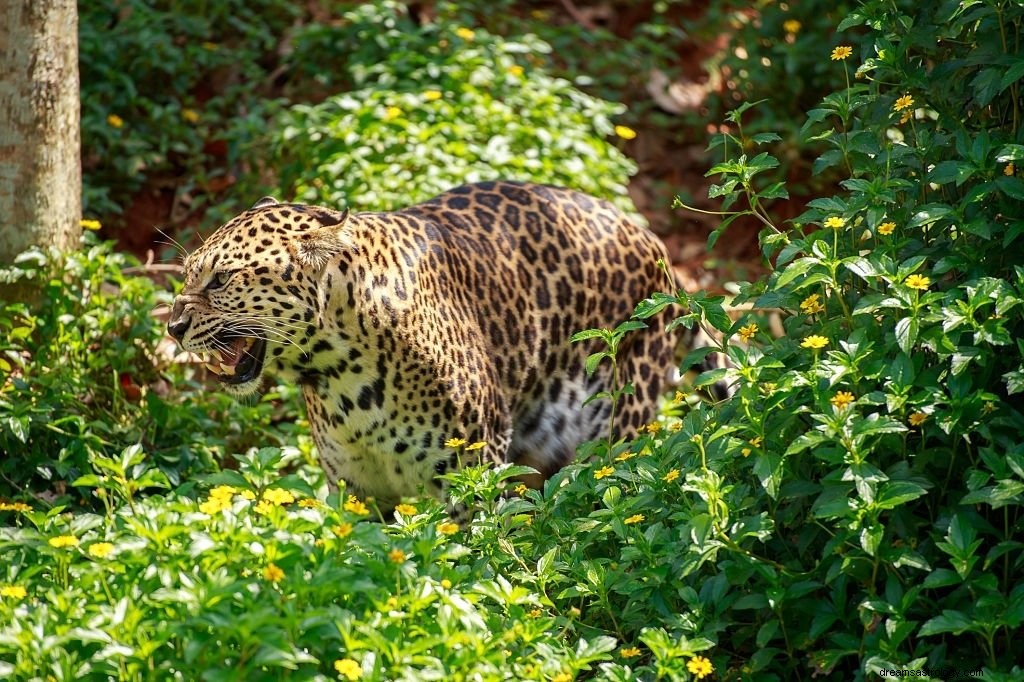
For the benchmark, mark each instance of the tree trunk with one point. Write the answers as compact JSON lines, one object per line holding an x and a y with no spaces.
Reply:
{"x":40,"y":150}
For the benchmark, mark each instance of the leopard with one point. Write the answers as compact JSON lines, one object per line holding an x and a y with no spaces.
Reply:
{"x":446,"y":322}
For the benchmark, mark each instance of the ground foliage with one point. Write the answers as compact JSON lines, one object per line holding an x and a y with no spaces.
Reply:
{"x":854,"y":508}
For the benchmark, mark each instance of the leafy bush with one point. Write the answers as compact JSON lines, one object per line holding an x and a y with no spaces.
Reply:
{"x":81,"y":377}
{"x":857,"y":504}
{"x":433,"y":106}
{"x":165,"y":85}
{"x":260,"y":578}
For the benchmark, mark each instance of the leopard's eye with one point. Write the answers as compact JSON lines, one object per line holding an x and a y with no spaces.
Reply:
{"x":219,"y":279}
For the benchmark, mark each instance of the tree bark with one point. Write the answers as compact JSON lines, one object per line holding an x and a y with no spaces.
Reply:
{"x":40,"y":149}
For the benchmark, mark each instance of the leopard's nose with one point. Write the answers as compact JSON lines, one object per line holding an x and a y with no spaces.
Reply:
{"x":179,"y":322}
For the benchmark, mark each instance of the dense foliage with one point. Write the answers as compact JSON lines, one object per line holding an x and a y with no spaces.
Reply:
{"x":84,"y":375}
{"x":431,"y":106}
{"x":854,"y":508}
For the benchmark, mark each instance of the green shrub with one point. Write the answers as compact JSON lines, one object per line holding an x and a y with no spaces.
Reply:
{"x":166,"y":83}
{"x":81,"y":378}
{"x":856,"y":507}
{"x":433,"y":106}
{"x":258,"y":579}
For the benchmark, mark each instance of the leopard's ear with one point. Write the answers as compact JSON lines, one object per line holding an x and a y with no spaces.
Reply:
{"x":315,"y":248}
{"x":265,"y":201}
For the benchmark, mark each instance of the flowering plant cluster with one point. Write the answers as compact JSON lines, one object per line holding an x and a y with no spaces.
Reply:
{"x":460,"y":106}
{"x":857,"y":502}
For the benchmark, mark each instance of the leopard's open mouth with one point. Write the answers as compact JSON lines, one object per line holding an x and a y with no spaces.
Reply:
{"x":240,"y":360}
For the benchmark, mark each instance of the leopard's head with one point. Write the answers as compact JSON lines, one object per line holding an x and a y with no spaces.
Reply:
{"x":254,"y":287}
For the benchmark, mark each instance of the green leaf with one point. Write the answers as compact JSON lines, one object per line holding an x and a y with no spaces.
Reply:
{"x":795,"y":269}
{"x":950,"y":621}
{"x":588,"y":334}
{"x":594,"y":360}
{"x":629,"y":326}
{"x":906,"y":333}
{"x":929,"y":214}
{"x":768,"y":469}
{"x":875,"y":424}
{"x":895,"y":493}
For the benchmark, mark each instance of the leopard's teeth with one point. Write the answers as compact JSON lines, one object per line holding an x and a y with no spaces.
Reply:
{"x":227,"y":369}
{"x":212,"y":367}
{"x":215,"y":354}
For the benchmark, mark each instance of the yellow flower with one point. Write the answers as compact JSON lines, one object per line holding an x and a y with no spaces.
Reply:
{"x":353,"y":505}
{"x":64,"y":541}
{"x":100,"y":550}
{"x":210,"y":46}
{"x":223,"y":492}
{"x":15,"y":506}
{"x":455,"y":442}
{"x":671,"y":476}
{"x":521,"y":489}
{"x":431,"y":95}
{"x":625,"y":456}
{"x":406,"y":510}
{"x":835,"y":222}
{"x":90,"y":224}
{"x":309,"y":502}
{"x":917,"y":282}
{"x":391,"y":113}
{"x":886,"y":228}
{"x":917,"y":418}
{"x":746,"y":452}
{"x":603,"y":472}
{"x":396,"y":556}
{"x":907,"y":115}
{"x":700,"y":667}
{"x":841,"y":52}
{"x":214,"y":505}
{"x":348,"y":669}
{"x":678,"y":397}
{"x":278,"y":496}
{"x":342,"y":529}
{"x":675,"y":426}
{"x":477,"y":445}
{"x":748,"y":332}
{"x":625,"y":132}
{"x":190,"y":115}
{"x":13,"y":591}
{"x":629,"y":652}
{"x":247,"y":495}
{"x":791,"y":26}
{"x":814,"y":341}
{"x":115,"y":121}
{"x":465,"y":33}
{"x":273,"y":573}
{"x":812,"y":304}
{"x":263,"y":507}
{"x":515,"y":70}
{"x":562,"y":677}
{"x":756,"y":441}
{"x":635,"y":518}
{"x":841,"y":399}
{"x":446,"y":584}
{"x":1010,"y":169}
{"x":448,"y":528}
{"x":902,"y":103}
